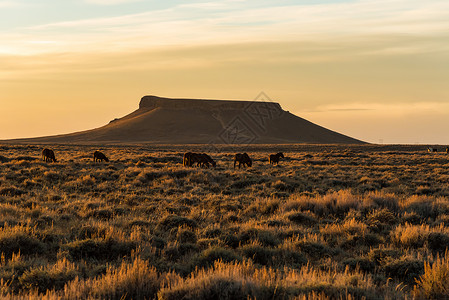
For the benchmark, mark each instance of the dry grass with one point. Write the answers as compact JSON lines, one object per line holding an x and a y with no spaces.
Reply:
{"x":434,"y":284}
{"x":329,"y":222}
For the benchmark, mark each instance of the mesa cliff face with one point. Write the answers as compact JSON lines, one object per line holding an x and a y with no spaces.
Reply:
{"x":194,"y":121}
{"x":152,"y":102}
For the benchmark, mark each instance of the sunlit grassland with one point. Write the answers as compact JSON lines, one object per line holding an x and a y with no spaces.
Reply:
{"x":327,"y":222}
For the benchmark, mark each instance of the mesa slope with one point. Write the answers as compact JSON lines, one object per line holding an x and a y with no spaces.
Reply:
{"x":192,"y":121}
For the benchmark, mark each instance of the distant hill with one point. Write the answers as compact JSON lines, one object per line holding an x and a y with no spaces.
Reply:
{"x":192,"y":121}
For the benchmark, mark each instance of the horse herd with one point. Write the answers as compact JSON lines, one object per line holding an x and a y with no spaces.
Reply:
{"x":48,"y":155}
{"x":243,"y":159}
{"x":189,"y":160}
{"x":200,"y":159}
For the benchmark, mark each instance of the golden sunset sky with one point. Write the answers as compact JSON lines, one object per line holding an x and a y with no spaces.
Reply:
{"x":374,"y":70}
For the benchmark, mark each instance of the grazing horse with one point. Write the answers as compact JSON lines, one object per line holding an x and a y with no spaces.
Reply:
{"x":48,"y":155}
{"x":274,"y":158}
{"x":201,"y":160}
{"x":99,"y":156}
{"x":205,"y":160}
{"x":243,"y":159}
{"x":430,"y":150}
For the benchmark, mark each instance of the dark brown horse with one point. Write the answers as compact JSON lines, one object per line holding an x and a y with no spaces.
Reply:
{"x":200,"y":159}
{"x":48,"y":155}
{"x":243,"y":159}
{"x":205,"y":160}
{"x":99,"y":156}
{"x":274,"y":158}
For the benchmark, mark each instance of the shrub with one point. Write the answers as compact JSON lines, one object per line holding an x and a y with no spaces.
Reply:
{"x":404,"y":269}
{"x":433,"y":284}
{"x":347,"y":228}
{"x":157,"y":242}
{"x":176,"y":251}
{"x":49,"y":277}
{"x":99,"y":249}
{"x":51,"y":176}
{"x":231,"y":240}
{"x":139,"y":223}
{"x":172,"y":221}
{"x":383,"y":216}
{"x":438,"y":242}
{"x":381,"y":256}
{"x":207,"y":243}
{"x":422,"y":205}
{"x":213,"y":288}
{"x":43,"y":221}
{"x":241,"y":184}
{"x":209,"y":256}
{"x":339,"y":203}
{"x":86,"y":232}
{"x":102,"y":214}
{"x":362,"y":264}
{"x":383,"y":200}
{"x":336,"y":203}
{"x":285,"y":257}
{"x":412,"y":218}
{"x":258,"y":254}
{"x":11,"y":191}
{"x":262,"y":207}
{"x":264,"y":237}
{"x":244,"y":280}
{"x":186,"y":236}
{"x":315,"y":250}
{"x":18,"y":239}
{"x":135,"y":280}
{"x":302,"y":218}
{"x":213,"y":232}
{"x":360,"y":240}
{"x":284,"y":186}
{"x":410,"y":235}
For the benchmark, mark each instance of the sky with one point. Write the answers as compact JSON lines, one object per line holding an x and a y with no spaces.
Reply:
{"x":376,"y":70}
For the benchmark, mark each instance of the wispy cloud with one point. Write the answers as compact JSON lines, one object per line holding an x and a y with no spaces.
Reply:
{"x":111,"y":2}
{"x":386,"y":109}
{"x":421,"y":122}
{"x":239,"y":21}
{"x":6,"y":4}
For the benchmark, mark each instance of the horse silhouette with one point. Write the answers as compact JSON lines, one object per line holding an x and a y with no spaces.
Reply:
{"x":200,"y":159}
{"x":242,"y":159}
{"x":99,"y":156}
{"x":274,"y":158}
{"x":205,"y":160}
{"x":48,"y":155}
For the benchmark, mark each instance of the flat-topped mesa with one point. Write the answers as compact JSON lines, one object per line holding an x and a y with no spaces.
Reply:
{"x":194,"y":121}
{"x":152,"y":102}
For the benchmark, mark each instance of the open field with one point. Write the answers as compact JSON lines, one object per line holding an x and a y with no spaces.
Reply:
{"x":328,"y":222}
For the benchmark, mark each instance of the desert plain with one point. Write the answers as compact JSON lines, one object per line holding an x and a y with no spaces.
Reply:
{"x":327,"y":222}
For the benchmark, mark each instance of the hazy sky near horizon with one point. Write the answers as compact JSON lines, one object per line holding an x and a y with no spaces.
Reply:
{"x":376,"y":70}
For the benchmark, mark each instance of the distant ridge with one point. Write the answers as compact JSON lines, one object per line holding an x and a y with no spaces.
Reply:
{"x":194,"y":121}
